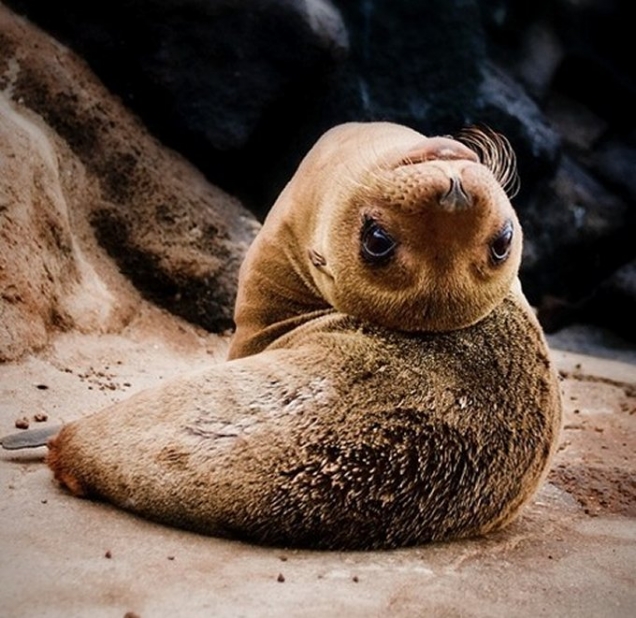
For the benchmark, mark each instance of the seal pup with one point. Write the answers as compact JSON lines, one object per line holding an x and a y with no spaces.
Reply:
{"x":388,"y":384}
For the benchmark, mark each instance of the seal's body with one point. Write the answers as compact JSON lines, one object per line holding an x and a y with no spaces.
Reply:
{"x":387,"y":385}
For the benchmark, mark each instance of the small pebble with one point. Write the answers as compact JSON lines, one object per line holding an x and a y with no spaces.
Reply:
{"x":22,"y":423}
{"x":280,"y":578}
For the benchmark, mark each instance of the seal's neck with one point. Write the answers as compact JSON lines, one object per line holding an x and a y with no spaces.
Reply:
{"x":276,"y":292}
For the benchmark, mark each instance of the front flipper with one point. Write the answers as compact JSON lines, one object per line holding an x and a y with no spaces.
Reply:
{"x":31,"y":438}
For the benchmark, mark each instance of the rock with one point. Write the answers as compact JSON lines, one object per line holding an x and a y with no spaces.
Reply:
{"x":540,"y":55}
{"x":612,"y":306}
{"x":416,"y":62}
{"x":503,"y":103}
{"x":616,"y":301}
{"x":47,"y":282}
{"x":597,"y":68}
{"x":615,"y":161}
{"x":579,"y":127}
{"x":209,"y":78}
{"x":575,"y":235}
{"x":77,"y":167}
{"x":579,"y":224}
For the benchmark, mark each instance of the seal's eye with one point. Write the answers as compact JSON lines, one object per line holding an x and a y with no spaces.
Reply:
{"x":376,"y":244}
{"x":501,"y":243}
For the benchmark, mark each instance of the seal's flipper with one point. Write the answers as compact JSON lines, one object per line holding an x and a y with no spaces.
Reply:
{"x":31,"y":438}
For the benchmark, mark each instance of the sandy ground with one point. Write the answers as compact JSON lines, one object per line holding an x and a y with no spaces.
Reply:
{"x":572,"y":552}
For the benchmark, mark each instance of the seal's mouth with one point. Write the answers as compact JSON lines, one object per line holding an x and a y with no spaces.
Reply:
{"x":437,"y":149}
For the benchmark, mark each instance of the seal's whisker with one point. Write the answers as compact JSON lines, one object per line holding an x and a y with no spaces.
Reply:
{"x":496,"y":153}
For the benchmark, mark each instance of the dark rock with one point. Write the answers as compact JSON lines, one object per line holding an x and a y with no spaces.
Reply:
{"x":540,"y":55}
{"x":611,"y":305}
{"x":575,"y":235}
{"x":579,"y":127}
{"x":417,"y":63}
{"x":615,"y":302}
{"x":615,"y":162}
{"x":598,"y":69}
{"x":503,"y":104}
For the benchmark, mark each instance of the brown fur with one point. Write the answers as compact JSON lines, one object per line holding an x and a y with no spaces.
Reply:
{"x":347,"y":419}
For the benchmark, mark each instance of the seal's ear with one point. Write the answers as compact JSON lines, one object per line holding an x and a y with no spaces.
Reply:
{"x":437,"y":149}
{"x":316,"y":258}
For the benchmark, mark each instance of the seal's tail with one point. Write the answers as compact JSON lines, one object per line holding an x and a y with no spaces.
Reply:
{"x":50,"y":437}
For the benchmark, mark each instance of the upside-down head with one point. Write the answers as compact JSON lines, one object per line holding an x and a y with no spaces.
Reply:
{"x":424,"y":239}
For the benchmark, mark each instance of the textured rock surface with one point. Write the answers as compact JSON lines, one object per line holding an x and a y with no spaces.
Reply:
{"x":81,"y":177}
{"x":225,"y":82}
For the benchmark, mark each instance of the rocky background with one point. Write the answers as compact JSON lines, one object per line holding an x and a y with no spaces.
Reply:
{"x":96,"y":216}
{"x":242,"y":88}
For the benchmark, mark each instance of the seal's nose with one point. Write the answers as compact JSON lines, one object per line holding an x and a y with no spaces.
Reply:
{"x":456,"y":198}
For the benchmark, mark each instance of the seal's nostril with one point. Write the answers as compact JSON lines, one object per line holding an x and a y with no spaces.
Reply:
{"x":455,"y":198}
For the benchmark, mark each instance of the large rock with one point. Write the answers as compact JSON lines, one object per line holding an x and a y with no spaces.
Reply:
{"x":46,"y":279}
{"x":78,"y":168}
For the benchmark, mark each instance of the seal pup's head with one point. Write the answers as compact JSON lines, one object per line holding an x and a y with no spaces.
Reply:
{"x":379,"y":222}
{"x":424,"y":238}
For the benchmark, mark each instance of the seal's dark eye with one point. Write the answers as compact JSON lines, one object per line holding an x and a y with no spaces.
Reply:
{"x":501,"y":243}
{"x":376,"y":244}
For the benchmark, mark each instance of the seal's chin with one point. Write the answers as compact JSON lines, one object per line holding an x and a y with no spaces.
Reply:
{"x":445,"y":307}
{"x":420,"y":315}
{"x":421,"y":305}
{"x":433,"y":319}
